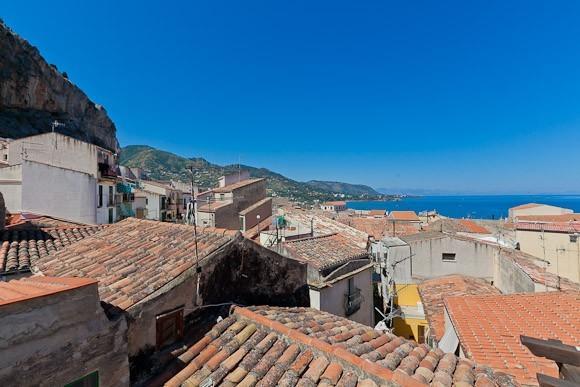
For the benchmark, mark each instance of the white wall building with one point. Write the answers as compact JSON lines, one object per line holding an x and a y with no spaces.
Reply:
{"x":56,"y":175}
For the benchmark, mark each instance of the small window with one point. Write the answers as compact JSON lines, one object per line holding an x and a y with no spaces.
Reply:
{"x":573,"y":238}
{"x":448,"y":257}
{"x":169,"y":327}
{"x":111,"y":216}
{"x":90,"y":380}
{"x":100,"y":196}
{"x":421,"y":334}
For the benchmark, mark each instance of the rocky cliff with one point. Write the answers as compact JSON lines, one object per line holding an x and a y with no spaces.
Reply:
{"x":33,"y":94}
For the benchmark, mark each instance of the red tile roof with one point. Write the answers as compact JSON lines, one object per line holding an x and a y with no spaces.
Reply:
{"x":381,"y":227}
{"x":324,"y":226}
{"x":549,"y":218}
{"x":457,"y":225}
{"x":565,"y":227}
{"x":471,"y":226}
{"x":134,"y":258}
{"x":26,"y":219}
{"x":324,"y":252}
{"x":268,"y":346}
{"x":408,"y":216}
{"x":23,"y":246}
{"x":489,"y":329}
{"x":377,"y":212}
{"x":38,"y":286}
{"x":432,"y":293}
{"x":213,"y":206}
{"x":238,"y":185}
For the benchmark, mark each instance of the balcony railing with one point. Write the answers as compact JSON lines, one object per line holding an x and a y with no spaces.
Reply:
{"x":106,"y":170}
{"x":352,"y":301}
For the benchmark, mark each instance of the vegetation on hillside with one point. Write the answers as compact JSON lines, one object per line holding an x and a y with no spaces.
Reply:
{"x":164,"y":165}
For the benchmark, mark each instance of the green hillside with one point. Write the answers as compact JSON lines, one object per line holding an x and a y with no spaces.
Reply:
{"x":164,"y":165}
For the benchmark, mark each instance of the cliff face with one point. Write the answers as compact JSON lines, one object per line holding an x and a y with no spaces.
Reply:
{"x":33,"y":94}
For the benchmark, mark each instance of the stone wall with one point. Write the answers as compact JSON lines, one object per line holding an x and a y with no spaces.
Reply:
{"x":55,"y":340}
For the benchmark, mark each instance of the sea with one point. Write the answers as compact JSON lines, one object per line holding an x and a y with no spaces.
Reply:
{"x":469,"y":206}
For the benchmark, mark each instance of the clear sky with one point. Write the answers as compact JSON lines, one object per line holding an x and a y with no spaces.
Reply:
{"x":464,"y":96}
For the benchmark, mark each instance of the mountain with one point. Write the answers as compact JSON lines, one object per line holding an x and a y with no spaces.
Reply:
{"x":34,"y":93}
{"x":162,"y":165}
{"x":338,"y":187}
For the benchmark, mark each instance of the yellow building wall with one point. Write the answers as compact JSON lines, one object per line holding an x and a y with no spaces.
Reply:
{"x":563,"y":255}
{"x":408,"y":298}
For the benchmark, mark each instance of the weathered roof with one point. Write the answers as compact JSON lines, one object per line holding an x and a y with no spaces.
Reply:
{"x":323,"y":226}
{"x":33,"y":287}
{"x":269,"y":346}
{"x":22,"y":246}
{"x":489,"y":329}
{"x":381,"y":227}
{"x":377,"y":212}
{"x":238,"y":185}
{"x":213,"y":206}
{"x":408,"y":216}
{"x":535,"y":268}
{"x":564,"y":227}
{"x":457,"y":225}
{"x":324,"y":252}
{"x":426,"y":235}
{"x":28,"y":219}
{"x":133,"y":258}
{"x":433,"y":291}
{"x":550,"y":218}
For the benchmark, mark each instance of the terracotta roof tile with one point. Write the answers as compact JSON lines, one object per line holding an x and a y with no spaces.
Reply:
{"x":549,"y":218}
{"x":324,"y":252}
{"x":566,"y":227}
{"x":526,"y":206}
{"x":457,"y":225}
{"x":21,"y":247}
{"x":335,"y":203}
{"x":133,"y":258}
{"x":489,"y":329}
{"x":432,"y":293}
{"x":323,"y":225}
{"x":408,"y":216}
{"x":32,"y":287}
{"x":381,"y":227}
{"x":307,"y":347}
{"x":377,"y":213}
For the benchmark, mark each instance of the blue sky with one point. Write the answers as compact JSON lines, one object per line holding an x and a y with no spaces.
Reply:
{"x":467,"y":97}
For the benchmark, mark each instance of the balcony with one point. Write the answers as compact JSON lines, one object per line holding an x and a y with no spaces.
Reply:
{"x":106,"y":170}
{"x":352,"y":301}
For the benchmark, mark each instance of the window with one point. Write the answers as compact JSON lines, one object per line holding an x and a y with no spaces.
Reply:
{"x":573,"y":238}
{"x":169,"y":327}
{"x":353,"y":298}
{"x":448,"y":257}
{"x":111,"y":217}
{"x":90,"y":380}
{"x":111,"y":196}
{"x":100,"y":196}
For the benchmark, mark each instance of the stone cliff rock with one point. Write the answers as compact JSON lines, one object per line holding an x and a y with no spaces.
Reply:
{"x":33,"y":94}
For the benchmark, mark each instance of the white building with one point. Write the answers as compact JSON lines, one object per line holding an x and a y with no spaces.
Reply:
{"x":56,"y":175}
{"x":339,"y":275}
{"x":336,"y":206}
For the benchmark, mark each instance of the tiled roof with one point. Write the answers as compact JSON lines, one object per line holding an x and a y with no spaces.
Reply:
{"x":380,"y":227}
{"x":23,"y":246}
{"x":426,"y":235}
{"x":38,"y":286}
{"x":133,"y":258}
{"x":377,"y":212}
{"x":26,"y":219}
{"x":323,"y":226}
{"x":550,"y":218}
{"x":566,"y":227}
{"x":489,"y":329}
{"x":457,"y":225}
{"x":324,"y":252}
{"x":535,"y":268}
{"x":432,"y":293}
{"x":239,"y":184}
{"x":404,"y":216}
{"x":270,"y":346}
